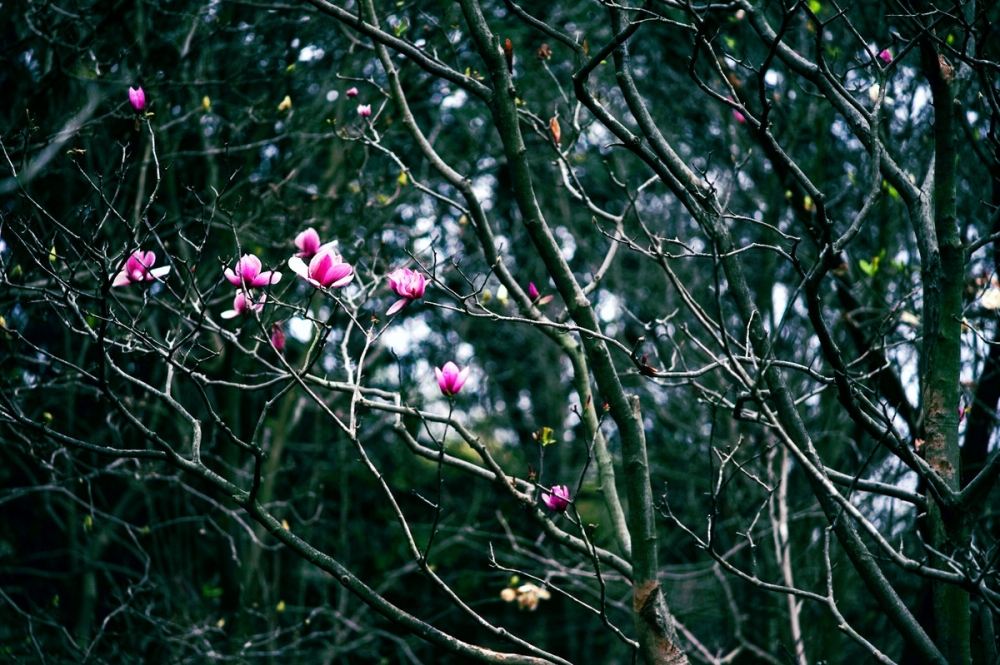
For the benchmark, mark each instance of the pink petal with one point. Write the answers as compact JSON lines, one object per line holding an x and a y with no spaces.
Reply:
{"x":396,"y":306}
{"x":265,"y":278}
{"x":341,"y":283}
{"x":299,"y":267}
{"x":460,"y":379}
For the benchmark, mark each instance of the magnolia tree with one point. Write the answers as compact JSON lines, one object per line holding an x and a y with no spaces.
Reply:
{"x":377,"y":332}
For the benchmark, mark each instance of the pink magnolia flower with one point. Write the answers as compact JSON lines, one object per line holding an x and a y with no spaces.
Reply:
{"x":326,"y":269}
{"x":885,"y":55}
{"x":277,"y":338}
{"x":352,"y":92}
{"x":139,"y":268}
{"x":137,"y":98}
{"x":308,"y":243}
{"x":450,"y":379}
{"x":365,"y":110}
{"x":557,"y":499}
{"x":536,"y":297}
{"x":243,"y":305}
{"x":248,"y":273}
{"x":408,"y":285}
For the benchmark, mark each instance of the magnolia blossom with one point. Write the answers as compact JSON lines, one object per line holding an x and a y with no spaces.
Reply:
{"x":557,"y":499}
{"x":740,"y":118}
{"x":277,"y":337}
{"x":408,"y":285}
{"x":248,"y":273}
{"x":352,"y":92}
{"x":450,"y":379}
{"x":139,"y":268}
{"x":537,"y":297}
{"x":365,"y":110}
{"x":243,"y":305}
{"x":137,"y":98}
{"x":326,"y":269}
{"x":885,"y":55}
{"x":308,"y":243}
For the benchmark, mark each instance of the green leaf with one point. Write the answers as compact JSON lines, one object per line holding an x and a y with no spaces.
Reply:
{"x":815,"y":6}
{"x":209,"y":591}
{"x":544,"y":436}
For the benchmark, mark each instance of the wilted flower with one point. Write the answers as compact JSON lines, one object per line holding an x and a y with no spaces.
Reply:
{"x":408,"y":285}
{"x":450,"y":379}
{"x":885,"y":55}
{"x":557,"y":499}
{"x":308,"y":243}
{"x":277,"y":338}
{"x":248,"y":273}
{"x":365,"y":110}
{"x":137,"y":98}
{"x":139,"y":268}
{"x":352,"y":92}
{"x":326,"y":269}
{"x":527,"y":596}
{"x":243,"y":305}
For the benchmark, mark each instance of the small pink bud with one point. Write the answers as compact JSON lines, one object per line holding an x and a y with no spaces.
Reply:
{"x":885,"y":55}
{"x":277,"y":338}
{"x":352,"y":92}
{"x":450,"y":379}
{"x":532,"y":291}
{"x":137,"y":98}
{"x":740,"y":118}
{"x":557,"y":499}
{"x":365,"y":110}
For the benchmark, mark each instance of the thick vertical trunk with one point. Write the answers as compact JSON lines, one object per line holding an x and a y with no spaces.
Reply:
{"x":942,"y":282}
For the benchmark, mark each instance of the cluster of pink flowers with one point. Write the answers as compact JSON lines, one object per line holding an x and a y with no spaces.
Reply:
{"x":364,"y":110}
{"x":249,"y":274}
{"x":327,"y":269}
